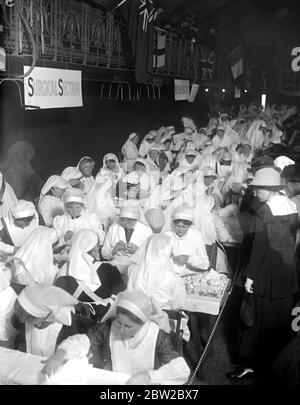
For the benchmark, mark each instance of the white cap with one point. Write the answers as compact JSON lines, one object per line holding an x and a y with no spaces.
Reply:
{"x":190,"y":152}
{"x":208,"y":171}
{"x":129,"y":212}
{"x":23,"y":209}
{"x":184,"y":213}
{"x":73,"y":194}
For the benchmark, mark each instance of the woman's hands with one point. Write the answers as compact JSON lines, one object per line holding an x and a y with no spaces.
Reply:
{"x":249,"y":285}
{"x":139,"y":379}
{"x":53,"y":364}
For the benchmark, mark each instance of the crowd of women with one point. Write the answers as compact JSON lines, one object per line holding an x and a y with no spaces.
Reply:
{"x":105,"y":256}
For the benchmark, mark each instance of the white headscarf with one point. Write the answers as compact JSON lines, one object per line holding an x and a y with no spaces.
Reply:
{"x":54,"y":181}
{"x":49,"y":302}
{"x":110,"y":156}
{"x":22,"y":209}
{"x":36,"y":256}
{"x":71,"y":173}
{"x":83,"y":158}
{"x":99,"y":199}
{"x":153,"y":259}
{"x":81,"y":265}
{"x":128,"y":142}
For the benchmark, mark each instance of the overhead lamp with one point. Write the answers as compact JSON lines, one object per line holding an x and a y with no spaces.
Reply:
{"x":223,"y":90}
{"x":206,"y":90}
{"x":245,"y":91}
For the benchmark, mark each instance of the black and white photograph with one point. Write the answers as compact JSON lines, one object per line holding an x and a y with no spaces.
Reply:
{"x":149,"y":196}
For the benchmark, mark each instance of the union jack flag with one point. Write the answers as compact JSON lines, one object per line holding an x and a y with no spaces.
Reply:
{"x":147,"y":10}
{"x":207,"y":59}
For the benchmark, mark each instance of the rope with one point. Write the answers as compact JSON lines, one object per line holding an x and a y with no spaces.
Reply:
{"x":209,"y":340}
{"x":215,"y":326}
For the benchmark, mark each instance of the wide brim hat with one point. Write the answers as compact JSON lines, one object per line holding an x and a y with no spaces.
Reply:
{"x":267,"y":177}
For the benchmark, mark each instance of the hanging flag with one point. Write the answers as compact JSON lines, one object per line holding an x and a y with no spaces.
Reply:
{"x":2,"y":59}
{"x":207,"y":59}
{"x":159,"y":54}
{"x":140,"y":15}
{"x":235,"y":60}
{"x":288,"y":83}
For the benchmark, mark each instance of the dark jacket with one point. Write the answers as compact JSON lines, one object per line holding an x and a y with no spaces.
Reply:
{"x":272,"y":261}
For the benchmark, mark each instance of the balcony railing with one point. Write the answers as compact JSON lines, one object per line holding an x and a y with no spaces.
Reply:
{"x":69,"y":31}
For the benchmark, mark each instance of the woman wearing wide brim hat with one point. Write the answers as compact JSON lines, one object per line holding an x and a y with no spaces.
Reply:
{"x":270,"y":277}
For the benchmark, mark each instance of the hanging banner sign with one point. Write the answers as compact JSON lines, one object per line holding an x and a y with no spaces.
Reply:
{"x":194,"y":91}
{"x":52,"y":88}
{"x":181,"y":89}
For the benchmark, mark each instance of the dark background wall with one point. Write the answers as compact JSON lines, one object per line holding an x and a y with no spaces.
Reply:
{"x":60,"y":137}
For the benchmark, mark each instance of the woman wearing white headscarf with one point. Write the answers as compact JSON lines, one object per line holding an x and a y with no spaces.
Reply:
{"x":76,"y":217}
{"x":208,"y":157}
{"x":141,"y":172}
{"x":99,"y":200}
{"x":50,"y":202}
{"x":188,"y":248}
{"x":17,"y":226}
{"x":8,"y":198}
{"x":44,"y":310}
{"x":147,"y":143}
{"x":133,"y":343}
{"x":255,"y":134}
{"x":111,"y":168}
{"x":82,"y":263}
{"x":7,"y":299}
{"x":153,"y":274}
{"x":34,"y":260}
{"x":86,"y":165}
{"x":73,"y":176}
{"x":212,"y":229}
{"x":130,"y":151}
{"x":125,"y":236}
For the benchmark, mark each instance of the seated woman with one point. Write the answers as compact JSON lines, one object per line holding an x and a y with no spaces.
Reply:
{"x":17,"y":226}
{"x":152,"y":157}
{"x":85,"y":267}
{"x":7,"y":299}
{"x":8,"y":197}
{"x":188,"y":248}
{"x":44,"y":310}
{"x":34,"y":261}
{"x":131,"y":343}
{"x":125,"y":236}
{"x":86,"y":166}
{"x":147,"y":143}
{"x":213,"y":231}
{"x":100,"y":200}
{"x":130,"y":151}
{"x":73,"y":176}
{"x":111,"y":168}
{"x":155,"y":219}
{"x":143,"y":175}
{"x":50,"y":202}
{"x":152,"y":273}
{"x":76,"y":217}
